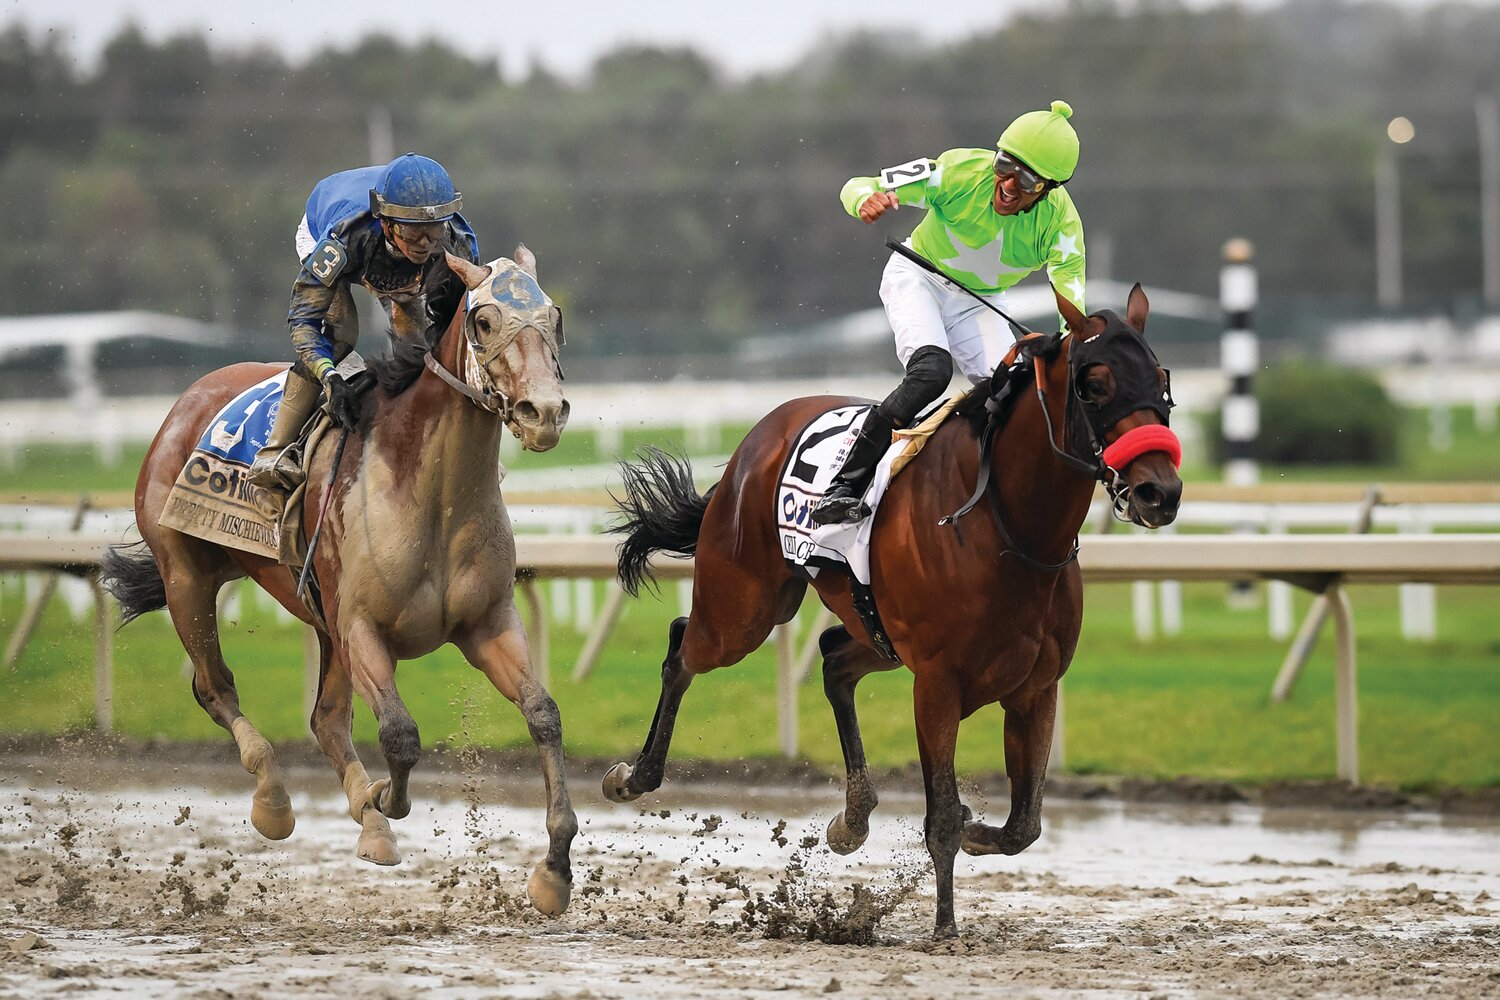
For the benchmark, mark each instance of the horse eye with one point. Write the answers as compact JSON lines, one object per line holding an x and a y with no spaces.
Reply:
{"x":483,"y":322}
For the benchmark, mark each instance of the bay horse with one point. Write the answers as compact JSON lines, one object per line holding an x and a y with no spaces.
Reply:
{"x":416,"y":551}
{"x":987,"y":613}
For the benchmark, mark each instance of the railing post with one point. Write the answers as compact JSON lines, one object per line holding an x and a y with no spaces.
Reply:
{"x":1346,"y":694}
{"x":104,"y":657}
{"x":1239,"y":357}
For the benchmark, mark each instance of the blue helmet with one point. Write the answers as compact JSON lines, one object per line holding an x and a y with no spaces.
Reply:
{"x":414,"y":188}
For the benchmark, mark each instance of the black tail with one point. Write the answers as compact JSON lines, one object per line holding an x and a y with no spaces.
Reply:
{"x":131,"y":575}
{"x":663,"y":513}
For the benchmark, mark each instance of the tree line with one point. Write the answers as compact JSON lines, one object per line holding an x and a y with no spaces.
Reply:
{"x":675,"y":211}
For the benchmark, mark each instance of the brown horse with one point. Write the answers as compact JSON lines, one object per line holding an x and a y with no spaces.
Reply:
{"x":416,"y":551}
{"x":989,"y":613}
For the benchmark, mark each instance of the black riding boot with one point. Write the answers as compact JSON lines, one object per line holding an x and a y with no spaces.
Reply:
{"x":844,"y":501}
{"x":927,"y":373}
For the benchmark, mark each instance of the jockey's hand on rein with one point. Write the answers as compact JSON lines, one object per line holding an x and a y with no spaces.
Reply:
{"x":343,"y":402}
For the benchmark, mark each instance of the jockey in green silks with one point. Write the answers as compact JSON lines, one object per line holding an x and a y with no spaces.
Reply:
{"x":992,"y":219}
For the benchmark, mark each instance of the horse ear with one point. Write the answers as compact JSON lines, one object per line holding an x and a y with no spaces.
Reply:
{"x":1077,"y":322}
{"x":471,"y":274}
{"x":527,"y":260}
{"x":1136,"y":308}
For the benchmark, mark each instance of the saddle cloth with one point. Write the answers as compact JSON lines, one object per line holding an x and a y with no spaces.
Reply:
{"x":814,"y":460}
{"x":211,"y":498}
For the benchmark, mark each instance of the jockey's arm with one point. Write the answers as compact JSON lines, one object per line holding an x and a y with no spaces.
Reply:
{"x":915,"y":183}
{"x":1066,"y":262}
{"x":310,"y":301}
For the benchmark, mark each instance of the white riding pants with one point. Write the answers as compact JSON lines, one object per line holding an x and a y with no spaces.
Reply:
{"x":925,"y":310}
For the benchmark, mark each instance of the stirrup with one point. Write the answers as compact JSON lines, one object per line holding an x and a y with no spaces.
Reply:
{"x":835,"y":509}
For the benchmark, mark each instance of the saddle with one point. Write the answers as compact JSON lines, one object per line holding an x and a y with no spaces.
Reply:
{"x":211,"y":498}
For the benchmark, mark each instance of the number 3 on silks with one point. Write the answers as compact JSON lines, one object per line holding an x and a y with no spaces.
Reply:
{"x":327,"y":260}
{"x":906,"y":173}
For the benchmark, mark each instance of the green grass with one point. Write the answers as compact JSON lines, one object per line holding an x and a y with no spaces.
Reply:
{"x":1193,"y":704}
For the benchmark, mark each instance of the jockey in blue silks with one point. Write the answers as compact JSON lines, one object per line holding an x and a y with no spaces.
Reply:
{"x":384,"y":227}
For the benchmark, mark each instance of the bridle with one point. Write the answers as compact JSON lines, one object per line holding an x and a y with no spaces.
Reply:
{"x":1104,"y":463}
{"x":474,"y":357}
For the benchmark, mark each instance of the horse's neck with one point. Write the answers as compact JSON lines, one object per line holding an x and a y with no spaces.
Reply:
{"x":456,"y":445}
{"x":1044,"y":499}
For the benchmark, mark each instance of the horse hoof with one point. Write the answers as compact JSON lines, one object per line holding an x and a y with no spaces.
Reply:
{"x":977,"y":840}
{"x":271,"y":815}
{"x":379,"y":848}
{"x":382,"y":797}
{"x":945,"y":932}
{"x":377,"y":844}
{"x":616,"y":783}
{"x":841,"y":840}
{"x":548,"y":891}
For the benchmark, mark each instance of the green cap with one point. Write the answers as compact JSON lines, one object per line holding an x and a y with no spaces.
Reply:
{"x":1044,"y":141}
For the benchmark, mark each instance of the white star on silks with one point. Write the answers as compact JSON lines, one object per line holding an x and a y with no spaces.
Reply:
{"x":983,"y":262}
{"x":1067,"y":246}
{"x":1075,"y":291}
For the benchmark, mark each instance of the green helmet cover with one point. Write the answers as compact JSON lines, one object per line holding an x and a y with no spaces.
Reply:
{"x":1044,"y":141}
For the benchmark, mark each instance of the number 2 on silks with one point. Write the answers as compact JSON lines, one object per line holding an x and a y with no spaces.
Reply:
{"x":327,"y":260}
{"x":906,"y":173}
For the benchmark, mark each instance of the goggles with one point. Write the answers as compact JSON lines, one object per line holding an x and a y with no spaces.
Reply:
{"x":1029,"y":180}
{"x":418,"y":232}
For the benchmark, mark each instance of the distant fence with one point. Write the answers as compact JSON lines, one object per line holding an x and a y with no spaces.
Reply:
{"x":1325,"y":568}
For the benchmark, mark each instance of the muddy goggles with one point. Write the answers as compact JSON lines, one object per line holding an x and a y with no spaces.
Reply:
{"x":418,"y":232}
{"x":1030,"y":181}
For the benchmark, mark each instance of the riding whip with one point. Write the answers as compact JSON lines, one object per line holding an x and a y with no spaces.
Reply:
{"x":312,"y":545}
{"x":1019,"y":329}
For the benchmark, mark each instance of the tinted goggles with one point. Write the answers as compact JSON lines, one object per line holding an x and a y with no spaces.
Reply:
{"x":419,"y":232}
{"x":1030,"y":181}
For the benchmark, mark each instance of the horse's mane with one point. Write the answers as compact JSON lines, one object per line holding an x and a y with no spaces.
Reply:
{"x":397,"y":371}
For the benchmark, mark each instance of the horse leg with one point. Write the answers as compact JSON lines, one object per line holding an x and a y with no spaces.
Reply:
{"x":937,"y":715}
{"x":845,"y":663}
{"x":332,"y":722}
{"x":1028,"y":741}
{"x":731,"y":617}
{"x":373,"y":671}
{"x":501,"y":652}
{"x":624,"y":782}
{"x":192,"y":583}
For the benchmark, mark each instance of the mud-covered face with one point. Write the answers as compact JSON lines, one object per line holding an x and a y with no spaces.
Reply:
{"x":417,"y":241}
{"x":516,"y":333}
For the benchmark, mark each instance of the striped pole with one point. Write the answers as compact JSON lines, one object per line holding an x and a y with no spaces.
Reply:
{"x":1239,"y":356}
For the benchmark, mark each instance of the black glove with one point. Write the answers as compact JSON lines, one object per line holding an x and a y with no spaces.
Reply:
{"x":343,"y":401}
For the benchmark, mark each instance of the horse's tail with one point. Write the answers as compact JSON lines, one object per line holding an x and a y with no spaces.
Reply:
{"x":131,"y":575}
{"x":663,"y":513}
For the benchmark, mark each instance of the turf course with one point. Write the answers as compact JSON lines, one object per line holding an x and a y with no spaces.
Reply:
{"x":1195,"y":704}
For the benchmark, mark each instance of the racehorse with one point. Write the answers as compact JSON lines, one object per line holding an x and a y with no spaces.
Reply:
{"x":986,"y":610}
{"x":416,"y":551}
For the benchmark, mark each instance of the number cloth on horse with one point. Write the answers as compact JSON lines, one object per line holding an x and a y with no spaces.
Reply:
{"x":967,"y":239}
{"x":816,"y":456}
{"x":213,"y":500}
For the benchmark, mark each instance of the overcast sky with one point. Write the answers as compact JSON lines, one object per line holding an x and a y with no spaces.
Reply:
{"x":566,"y":35}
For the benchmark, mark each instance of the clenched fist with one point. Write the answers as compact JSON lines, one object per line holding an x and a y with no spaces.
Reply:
{"x":878,"y":204}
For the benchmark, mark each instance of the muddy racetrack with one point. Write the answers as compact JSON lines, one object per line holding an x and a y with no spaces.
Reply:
{"x":123,"y":876}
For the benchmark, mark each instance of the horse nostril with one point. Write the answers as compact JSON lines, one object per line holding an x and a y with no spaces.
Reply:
{"x":562,"y":414}
{"x":1147,"y":495}
{"x":526,"y":412}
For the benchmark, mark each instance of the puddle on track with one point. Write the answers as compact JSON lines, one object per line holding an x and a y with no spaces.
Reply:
{"x":156,"y":885}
